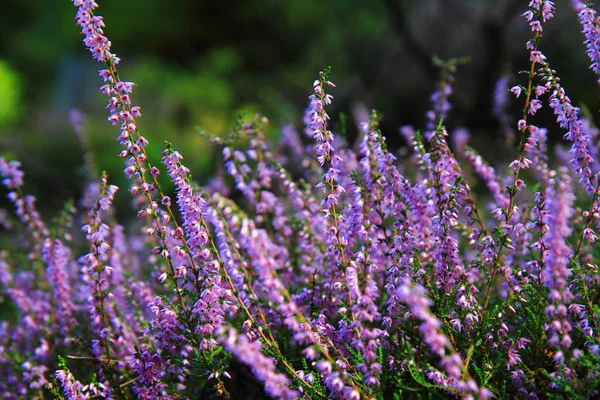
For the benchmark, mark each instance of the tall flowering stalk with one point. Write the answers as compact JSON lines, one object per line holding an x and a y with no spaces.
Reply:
{"x":539,"y":12}
{"x":325,"y":153}
{"x":326,"y":157}
{"x":12,"y":179}
{"x":567,"y":116}
{"x":124,"y":113}
{"x":591,"y":30}
{"x":96,"y":272}
{"x":556,"y":273}
{"x":58,"y":256}
{"x":489,"y":175}
{"x":440,"y":98}
{"x":448,"y":273}
{"x":209,"y":308}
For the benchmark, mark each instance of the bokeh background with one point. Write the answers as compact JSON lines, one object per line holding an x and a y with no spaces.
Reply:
{"x":203,"y":63}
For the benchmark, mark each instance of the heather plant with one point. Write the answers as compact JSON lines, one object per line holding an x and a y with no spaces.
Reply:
{"x":315,"y":268}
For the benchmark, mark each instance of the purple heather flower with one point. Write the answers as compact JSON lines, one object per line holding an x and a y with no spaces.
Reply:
{"x":413,"y":296}
{"x":150,"y":368}
{"x":536,"y":146}
{"x":97,"y":270}
{"x":567,"y":116}
{"x":191,"y":205}
{"x":34,"y":375}
{"x":555,"y":275}
{"x":276,"y":384}
{"x":537,"y":56}
{"x":591,"y":31}
{"x":460,"y":139}
{"x":560,"y":204}
{"x":11,"y":173}
{"x":513,"y":358}
{"x":441,"y":105}
{"x":516,"y":90}
{"x":58,"y":256}
{"x":24,"y":205}
{"x":444,"y":174}
{"x":290,"y":141}
{"x":378,"y":194}
{"x":342,"y":275}
{"x":534,"y":106}
{"x":324,"y":149}
{"x":489,"y":176}
{"x":166,"y":327}
{"x":72,"y":388}
{"x":91,"y":27}
{"x":501,"y":100}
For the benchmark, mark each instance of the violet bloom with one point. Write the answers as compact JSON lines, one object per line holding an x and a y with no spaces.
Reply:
{"x":12,"y":176}
{"x":265,"y":258}
{"x":35,"y":308}
{"x":592,"y":130}
{"x":331,"y":184}
{"x":413,"y":296}
{"x":489,"y":176}
{"x":276,"y":384}
{"x":97,"y":269}
{"x":540,"y":216}
{"x":387,"y":194}
{"x":58,"y":256}
{"x":72,"y":388}
{"x":460,"y":139}
{"x":537,"y":148}
{"x":34,"y":375}
{"x":290,"y":140}
{"x":567,"y":117}
{"x":449,"y":269}
{"x":440,"y":101}
{"x":500,"y":96}
{"x":237,"y":166}
{"x":150,"y":369}
{"x":501,"y":100}
{"x":560,"y":200}
{"x":591,"y":30}
{"x":256,"y":184}
{"x":555,"y":275}
{"x":211,"y":305}
{"x":367,"y":211}
{"x":12,"y":179}
{"x":191,"y":204}
{"x":308,"y":234}
{"x":223,"y":220}
{"x":91,"y":27}
{"x":325,"y":151}
{"x":166,"y":327}
{"x":121,"y":110}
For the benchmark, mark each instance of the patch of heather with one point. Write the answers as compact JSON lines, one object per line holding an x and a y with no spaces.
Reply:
{"x":317,"y":268}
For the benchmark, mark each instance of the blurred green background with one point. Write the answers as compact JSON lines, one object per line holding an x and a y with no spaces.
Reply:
{"x":203,"y":63}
